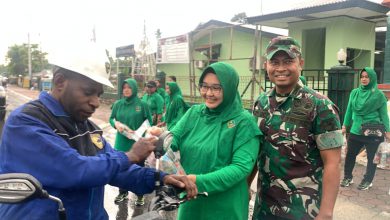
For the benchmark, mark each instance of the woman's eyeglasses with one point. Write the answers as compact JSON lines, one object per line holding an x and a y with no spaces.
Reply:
{"x":215,"y":88}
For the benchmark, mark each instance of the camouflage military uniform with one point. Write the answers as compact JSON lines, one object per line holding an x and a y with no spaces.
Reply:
{"x":290,"y":165}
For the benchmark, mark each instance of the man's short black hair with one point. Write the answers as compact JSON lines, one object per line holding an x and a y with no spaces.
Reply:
{"x":151,"y":84}
{"x":173,"y":78}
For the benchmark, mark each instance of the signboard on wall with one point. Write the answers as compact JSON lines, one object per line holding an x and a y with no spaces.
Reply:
{"x":125,"y":51}
{"x":173,"y":50}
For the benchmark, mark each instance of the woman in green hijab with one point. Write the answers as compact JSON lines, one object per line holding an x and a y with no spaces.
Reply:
{"x":218,"y":143}
{"x":176,"y":106}
{"x":131,"y":112}
{"x":367,"y":105}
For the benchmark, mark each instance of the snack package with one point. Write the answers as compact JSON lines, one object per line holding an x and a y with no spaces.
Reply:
{"x":137,"y":134}
{"x":170,"y":163}
{"x":382,"y":156}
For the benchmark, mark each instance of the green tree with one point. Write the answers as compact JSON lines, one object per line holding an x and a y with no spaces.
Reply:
{"x":240,"y":18}
{"x":3,"y":70}
{"x":17,"y":57}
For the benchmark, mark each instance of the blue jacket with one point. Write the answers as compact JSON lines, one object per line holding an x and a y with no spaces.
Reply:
{"x":46,"y":143}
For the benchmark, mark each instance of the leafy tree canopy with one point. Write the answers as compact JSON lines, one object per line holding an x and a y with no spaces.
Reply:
{"x":3,"y":69}
{"x":17,"y":58}
{"x":240,"y":18}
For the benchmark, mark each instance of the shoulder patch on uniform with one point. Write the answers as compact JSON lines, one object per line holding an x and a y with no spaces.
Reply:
{"x":97,"y":140}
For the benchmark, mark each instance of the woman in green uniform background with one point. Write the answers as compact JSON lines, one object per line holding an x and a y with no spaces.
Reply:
{"x":132,"y":112}
{"x":155,"y":102}
{"x":218,"y":143}
{"x":366,"y":105}
{"x":176,"y":106}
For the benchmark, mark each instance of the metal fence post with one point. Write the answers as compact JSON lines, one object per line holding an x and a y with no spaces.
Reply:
{"x":121,"y":79}
{"x":340,"y":84}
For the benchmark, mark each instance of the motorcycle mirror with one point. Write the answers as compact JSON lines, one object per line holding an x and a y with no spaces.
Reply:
{"x":164,"y":142}
{"x":20,"y":187}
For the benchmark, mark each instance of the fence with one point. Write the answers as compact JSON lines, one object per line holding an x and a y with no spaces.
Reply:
{"x":316,"y":79}
{"x":250,"y":87}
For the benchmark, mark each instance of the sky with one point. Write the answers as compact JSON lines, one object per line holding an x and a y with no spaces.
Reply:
{"x":57,"y":24}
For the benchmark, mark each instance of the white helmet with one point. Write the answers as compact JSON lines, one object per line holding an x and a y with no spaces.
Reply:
{"x":87,"y":60}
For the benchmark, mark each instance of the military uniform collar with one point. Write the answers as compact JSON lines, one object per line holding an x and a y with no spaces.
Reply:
{"x":295,"y":93}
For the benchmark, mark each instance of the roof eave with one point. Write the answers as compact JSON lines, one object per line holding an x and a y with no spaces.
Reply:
{"x":317,"y":9}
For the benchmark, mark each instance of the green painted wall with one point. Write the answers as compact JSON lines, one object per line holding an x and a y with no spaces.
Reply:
{"x":340,"y":32}
{"x":235,"y":50}
{"x":314,"y":40}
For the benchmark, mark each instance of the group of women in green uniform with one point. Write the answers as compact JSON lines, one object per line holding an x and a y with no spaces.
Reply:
{"x":218,"y":140}
{"x":130,"y":112}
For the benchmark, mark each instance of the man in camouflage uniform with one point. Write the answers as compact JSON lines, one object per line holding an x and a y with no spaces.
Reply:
{"x":300,"y":155}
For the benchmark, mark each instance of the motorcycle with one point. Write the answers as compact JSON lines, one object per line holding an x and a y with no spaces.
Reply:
{"x":167,"y":198}
{"x":22,"y":187}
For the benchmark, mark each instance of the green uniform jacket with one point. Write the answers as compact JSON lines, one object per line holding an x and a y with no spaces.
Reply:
{"x":367,"y":104}
{"x":379,"y":116}
{"x":221,"y":160}
{"x":155,"y":103}
{"x":221,"y":150}
{"x":131,"y":112}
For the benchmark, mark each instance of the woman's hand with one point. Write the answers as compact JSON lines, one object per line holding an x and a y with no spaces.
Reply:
{"x":343,"y":129}
{"x":182,"y":182}
{"x":119,"y":126}
{"x":192,"y":178}
{"x":161,"y":124}
{"x":155,"y":131}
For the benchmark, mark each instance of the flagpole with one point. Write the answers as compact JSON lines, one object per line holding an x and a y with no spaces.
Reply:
{"x":29,"y":59}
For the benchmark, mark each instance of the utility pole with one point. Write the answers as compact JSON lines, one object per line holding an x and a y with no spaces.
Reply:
{"x":386,"y":68}
{"x":93,"y":39}
{"x":29,"y":60}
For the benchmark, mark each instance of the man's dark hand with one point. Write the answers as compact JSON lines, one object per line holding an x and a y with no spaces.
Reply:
{"x":141,"y":149}
{"x":182,"y":182}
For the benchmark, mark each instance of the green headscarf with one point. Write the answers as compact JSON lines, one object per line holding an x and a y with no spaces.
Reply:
{"x":231,"y":105}
{"x":174,"y":89}
{"x":368,"y":98}
{"x":134,"y":90}
{"x":176,"y":102}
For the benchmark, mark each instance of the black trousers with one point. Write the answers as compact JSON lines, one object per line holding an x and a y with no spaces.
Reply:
{"x":355,"y":144}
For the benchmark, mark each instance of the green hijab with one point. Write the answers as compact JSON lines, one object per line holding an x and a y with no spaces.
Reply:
{"x":174,"y":89}
{"x":134,"y":90}
{"x":231,"y":105}
{"x":367,"y":98}
{"x":176,"y":102}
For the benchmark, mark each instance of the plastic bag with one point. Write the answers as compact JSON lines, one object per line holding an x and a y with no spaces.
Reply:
{"x":382,"y":156}
{"x":344,"y":148}
{"x":137,"y":134}
{"x":170,"y":163}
